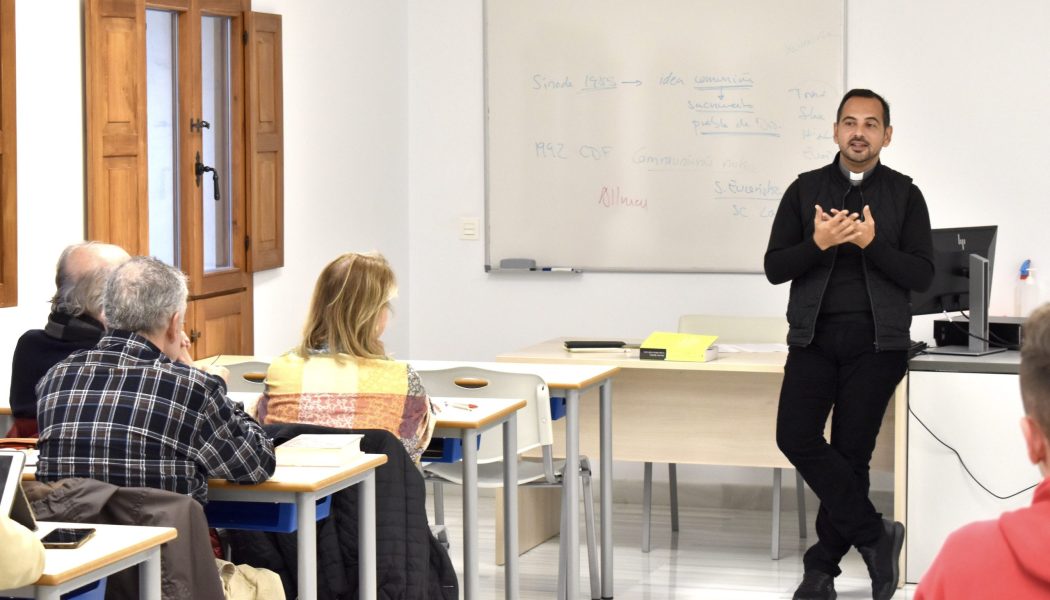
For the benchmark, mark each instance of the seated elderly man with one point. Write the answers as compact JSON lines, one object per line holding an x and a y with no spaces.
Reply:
{"x":129,"y":413}
{"x":75,"y":323}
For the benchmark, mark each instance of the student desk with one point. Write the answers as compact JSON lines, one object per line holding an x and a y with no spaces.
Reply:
{"x":572,"y":380}
{"x":717,"y":413}
{"x":304,"y":486}
{"x":468,"y":425}
{"x":113,"y":548}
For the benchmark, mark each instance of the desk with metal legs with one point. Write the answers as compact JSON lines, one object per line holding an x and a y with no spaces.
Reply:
{"x":112,"y":549}
{"x":468,"y":425}
{"x":304,"y":486}
{"x":716,"y":413}
{"x":571,"y":381}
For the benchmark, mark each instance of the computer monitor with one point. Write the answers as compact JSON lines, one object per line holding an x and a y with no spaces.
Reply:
{"x":962,"y":280}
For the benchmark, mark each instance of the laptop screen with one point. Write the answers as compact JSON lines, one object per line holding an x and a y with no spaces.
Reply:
{"x":12,"y":499}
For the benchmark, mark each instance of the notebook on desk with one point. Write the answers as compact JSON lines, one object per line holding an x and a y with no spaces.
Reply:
{"x":598,"y":346}
{"x":13,"y":499}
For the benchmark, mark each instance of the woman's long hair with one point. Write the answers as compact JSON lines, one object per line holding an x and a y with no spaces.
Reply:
{"x":349,"y":298}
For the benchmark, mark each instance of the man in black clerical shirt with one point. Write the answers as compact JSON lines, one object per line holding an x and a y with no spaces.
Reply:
{"x":853,"y":238}
{"x":75,"y":323}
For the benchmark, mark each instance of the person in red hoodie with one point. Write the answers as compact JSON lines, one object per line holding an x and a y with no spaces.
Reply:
{"x":1008,"y":557}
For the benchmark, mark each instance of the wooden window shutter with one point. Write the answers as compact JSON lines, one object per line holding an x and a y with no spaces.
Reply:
{"x":8,"y":189}
{"x":265,"y":143}
{"x":115,"y":69}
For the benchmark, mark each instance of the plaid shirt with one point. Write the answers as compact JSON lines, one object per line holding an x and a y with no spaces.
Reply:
{"x":124,"y":413}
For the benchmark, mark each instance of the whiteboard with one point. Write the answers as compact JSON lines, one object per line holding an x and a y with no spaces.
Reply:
{"x":654,"y":135}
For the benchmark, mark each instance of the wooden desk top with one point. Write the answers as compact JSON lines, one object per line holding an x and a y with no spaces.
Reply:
{"x":4,"y":410}
{"x":109,"y":544}
{"x":488,"y":410}
{"x":286,"y":479}
{"x":304,"y":479}
{"x":552,"y":351}
{"x":557,"y":376}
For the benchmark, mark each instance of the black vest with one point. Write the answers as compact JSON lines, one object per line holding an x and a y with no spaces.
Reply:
{"x":887,"y":192}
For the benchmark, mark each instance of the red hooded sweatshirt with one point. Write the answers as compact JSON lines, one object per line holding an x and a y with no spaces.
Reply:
{"x":1007,"y":558}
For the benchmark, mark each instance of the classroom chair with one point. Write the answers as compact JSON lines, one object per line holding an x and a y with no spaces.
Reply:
{"x":730,"y":330}
{"x":534,"y":432}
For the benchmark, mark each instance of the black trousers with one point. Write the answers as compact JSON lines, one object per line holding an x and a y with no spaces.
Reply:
{"x":839,"y":373}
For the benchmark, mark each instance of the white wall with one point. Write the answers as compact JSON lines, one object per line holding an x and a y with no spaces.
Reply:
{"x":50,"y":159}
{"x":345,"y":107}
{"x":460,"y":311}
{"x":345,"y":155}
{"x":964,"y":83}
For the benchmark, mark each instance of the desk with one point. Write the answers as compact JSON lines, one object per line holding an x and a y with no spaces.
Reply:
{"x":303,"y":486}
{"x":468,"y":425}
{"x":113,"y":548}
{"x":716,"y":413}
{"x":573,"y":380}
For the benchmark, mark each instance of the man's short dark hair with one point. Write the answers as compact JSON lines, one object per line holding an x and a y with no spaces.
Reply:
{"x":863,"y":93}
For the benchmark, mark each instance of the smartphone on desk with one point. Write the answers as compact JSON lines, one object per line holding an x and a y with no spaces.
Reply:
{"x":67,"y":537}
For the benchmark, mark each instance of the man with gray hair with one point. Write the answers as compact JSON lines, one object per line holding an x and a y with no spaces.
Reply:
{"x":128,"y":412}
{"x":75,"y":323}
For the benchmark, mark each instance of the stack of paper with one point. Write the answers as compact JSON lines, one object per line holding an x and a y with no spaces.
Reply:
{"x":319,"y":450}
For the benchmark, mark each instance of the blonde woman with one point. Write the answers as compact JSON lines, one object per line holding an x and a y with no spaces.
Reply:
{"x":340,"y":375}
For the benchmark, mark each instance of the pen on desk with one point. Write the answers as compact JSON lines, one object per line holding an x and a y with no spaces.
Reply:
{"x":214,"y":360}
{"x":463,"y":405}
{"x":560,"y":270}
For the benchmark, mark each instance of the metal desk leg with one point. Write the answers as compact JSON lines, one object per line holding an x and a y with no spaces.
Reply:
{"x":605,"y":419}
{"x":306,"y":538}
{"x":774,"y":551}
{"x":149,"y":575}
{"x":471,"y":581}
{"x":571,"y":483}
{"x":366,"y":537}
{"x":510,"y":508}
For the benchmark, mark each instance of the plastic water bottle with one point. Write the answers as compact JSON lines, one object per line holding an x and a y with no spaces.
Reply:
{"x":1026,"y":294}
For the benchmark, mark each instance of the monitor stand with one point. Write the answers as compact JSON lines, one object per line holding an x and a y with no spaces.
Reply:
{"x":980,"y":292}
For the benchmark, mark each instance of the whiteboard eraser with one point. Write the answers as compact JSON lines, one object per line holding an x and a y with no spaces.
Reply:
{"x":517,"y":263}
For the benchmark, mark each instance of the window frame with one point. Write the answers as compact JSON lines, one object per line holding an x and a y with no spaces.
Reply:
{"x":8,"y":159}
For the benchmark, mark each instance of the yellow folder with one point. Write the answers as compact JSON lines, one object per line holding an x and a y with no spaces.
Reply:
{"x":688,"y":347}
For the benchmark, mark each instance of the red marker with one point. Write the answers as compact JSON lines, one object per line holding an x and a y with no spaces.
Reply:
{"x":463,"y":405}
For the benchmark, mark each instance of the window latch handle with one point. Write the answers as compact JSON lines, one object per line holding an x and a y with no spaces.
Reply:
{"x":200,"y":168}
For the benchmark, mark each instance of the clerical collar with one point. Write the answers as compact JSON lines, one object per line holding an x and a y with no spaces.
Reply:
{"x":854,"y":178}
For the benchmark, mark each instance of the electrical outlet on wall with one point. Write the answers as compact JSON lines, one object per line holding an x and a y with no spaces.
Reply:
{"x":469,"y":228}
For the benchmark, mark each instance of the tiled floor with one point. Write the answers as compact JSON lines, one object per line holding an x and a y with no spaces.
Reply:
{"x":719,"y":554}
